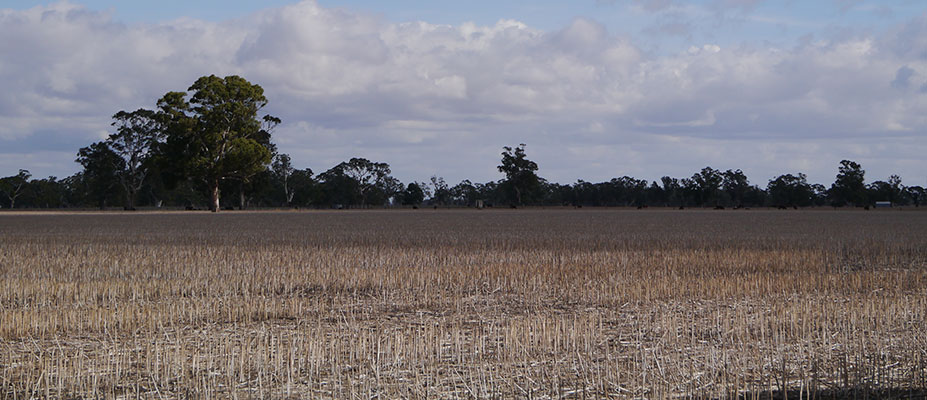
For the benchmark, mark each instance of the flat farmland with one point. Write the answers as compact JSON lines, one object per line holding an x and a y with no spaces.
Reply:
{"x":472,"y":304}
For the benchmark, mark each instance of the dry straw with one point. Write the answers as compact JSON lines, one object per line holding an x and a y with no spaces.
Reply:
{"x":463,"y":304}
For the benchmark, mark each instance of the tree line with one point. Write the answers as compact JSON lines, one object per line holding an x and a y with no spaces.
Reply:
{"x":209,"y":147}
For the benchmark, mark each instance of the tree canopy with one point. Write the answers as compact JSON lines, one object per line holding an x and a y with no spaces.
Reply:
{"x":137,"y":135}
{"x":360,"y":179}
{"x":102,"y":167}
{"x":791,"y":191}
{"x":213,"y":131}
{"x":520,"y":177}
{"x":849,"y":187}
{"x":12,"y":186}
{"x":213,"y":139}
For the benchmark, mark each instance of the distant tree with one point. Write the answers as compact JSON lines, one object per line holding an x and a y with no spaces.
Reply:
{"x":637,"y":195}
{"x":215,"y":134}
{"x":388,"y":191}
{"x":263,"y":178}
{"x":672,"y":190}
{"x":755,"y":196}
{"x":413,"y":195}
{"x":154,"y":190}
{"x":137,"y":136}
{"x":256,"y":190}
{"x":13,"y":186}
{"x":46,"y":193}
{"x":916,"y":195}
{"x":465,"y":193}
{"x":735,"y":185}
{"x":584,"y":193}
{"x":655,"y":195}
{"x":75,"y":192}
{"x":791,"y":191}
{"x":520,"y":177}
{"x":283,"y":170}
{"x":304,"y":187}
{"x":338,"y":188}
{"x":896,"y":190}
{"x":362,"y":181}
{"x":557,"y":194}
{"x":102,"y":167}
{"x":891,"y":191}
{"x":708,"y":181}
{"x":625,"y":191}
{"x":372,"y":177}
{"x":441,"y":194}
{"x":491,"y":193}
{"x":849,"y":187}
{"x":691,"y":191}
{"x":820,"y":194}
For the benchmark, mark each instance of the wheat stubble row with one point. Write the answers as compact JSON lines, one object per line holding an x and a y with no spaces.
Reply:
{"x":463,"y":304}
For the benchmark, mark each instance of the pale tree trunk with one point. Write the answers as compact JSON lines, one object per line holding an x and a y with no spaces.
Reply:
{"x":286,"y":192}
{"x":214,"y":207}
{"x":16,"y":192}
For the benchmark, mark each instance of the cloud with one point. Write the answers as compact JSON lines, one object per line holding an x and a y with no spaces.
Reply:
{"x":671,"y":28}
{"x":903,"y":77}
{"x":655,"y":5}
{"x":440,"y":99}
{"x":847,"y":5}
{"x":883,"y":11}
{"x":736,"y":5}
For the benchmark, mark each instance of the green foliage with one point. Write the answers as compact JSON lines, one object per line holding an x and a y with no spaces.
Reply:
{"x":736,"y":186}
{"x":892,"y":191}
{"x":849,"y":187}
{"x":359,"y":181}
{"x":707,"y":184}
{"x":339,"y":189}
{"x":13,"y":186}
{"x":791,"y":191}
{"x":466,"y":193}
{"x":521,"y":181}
{"x":304,"y":188}
{"x":672,"y":191}
{"x":413,"y":195}
{"x":282,"y":168}
{"x":102,"y":167}
{"x":138,"y":134}
{"x":210,"y":139}
{"x":214,"y":133}
{"x":915,"y":195}
{"x":441,"y":193}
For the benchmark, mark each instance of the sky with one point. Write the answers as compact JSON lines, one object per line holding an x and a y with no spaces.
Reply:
{"x":596,"y":89}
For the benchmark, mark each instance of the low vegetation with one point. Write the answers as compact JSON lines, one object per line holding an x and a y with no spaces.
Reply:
{"x":464,"y":304}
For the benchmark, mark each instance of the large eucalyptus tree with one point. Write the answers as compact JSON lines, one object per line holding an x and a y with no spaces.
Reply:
{"x":213,"y":132}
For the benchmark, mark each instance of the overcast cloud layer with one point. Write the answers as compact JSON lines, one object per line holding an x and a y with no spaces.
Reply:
{"x":438,"y":99}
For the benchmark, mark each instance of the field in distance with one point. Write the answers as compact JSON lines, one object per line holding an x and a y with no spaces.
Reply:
{"x":464,"y":304}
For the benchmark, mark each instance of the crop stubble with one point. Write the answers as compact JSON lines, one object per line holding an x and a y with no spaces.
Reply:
{"x":463,"y":304}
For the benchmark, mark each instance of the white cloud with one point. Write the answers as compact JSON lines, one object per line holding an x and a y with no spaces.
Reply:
{"x":444,"y":99}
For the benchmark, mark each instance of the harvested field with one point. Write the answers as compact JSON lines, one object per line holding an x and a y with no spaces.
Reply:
{"x":464,"y":304}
